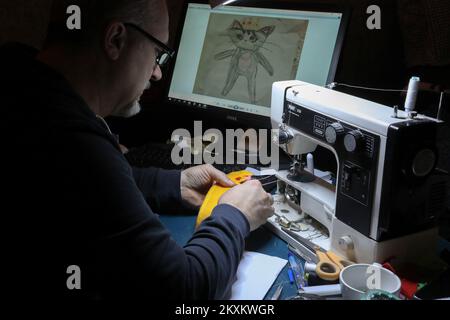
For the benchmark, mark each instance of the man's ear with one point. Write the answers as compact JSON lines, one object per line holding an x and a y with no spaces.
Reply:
{"x":115,"y":39}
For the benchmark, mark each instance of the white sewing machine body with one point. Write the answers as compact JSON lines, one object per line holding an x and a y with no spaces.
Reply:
{"x":388,"y":194}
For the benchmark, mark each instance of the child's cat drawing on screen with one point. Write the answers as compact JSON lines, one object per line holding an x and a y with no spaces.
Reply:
{"x":245,"y":57}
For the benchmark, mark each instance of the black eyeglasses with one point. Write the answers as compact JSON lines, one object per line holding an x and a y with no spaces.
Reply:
{"x":165,"y":55}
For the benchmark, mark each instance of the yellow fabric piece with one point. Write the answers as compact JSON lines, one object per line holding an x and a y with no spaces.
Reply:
{"x":216,"y":191}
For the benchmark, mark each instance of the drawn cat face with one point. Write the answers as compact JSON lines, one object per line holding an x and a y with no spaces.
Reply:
{"x":248,"y":39}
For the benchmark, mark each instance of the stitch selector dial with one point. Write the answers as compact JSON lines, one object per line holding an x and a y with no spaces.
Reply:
{"x":333,"y":131}
{"x":353,"y":141}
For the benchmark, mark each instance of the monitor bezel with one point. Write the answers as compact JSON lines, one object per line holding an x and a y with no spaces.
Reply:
{"x":245,"y":119}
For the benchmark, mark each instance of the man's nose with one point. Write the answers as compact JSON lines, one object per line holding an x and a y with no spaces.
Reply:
{"x":157,"y":73}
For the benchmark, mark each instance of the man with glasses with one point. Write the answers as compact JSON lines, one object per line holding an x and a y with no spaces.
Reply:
{"x":162,"y":58}
{"x":165,"y":53}
{"x":82,"y":221}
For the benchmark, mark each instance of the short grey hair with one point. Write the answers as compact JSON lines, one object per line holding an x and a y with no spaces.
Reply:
{"x":95,"y":15}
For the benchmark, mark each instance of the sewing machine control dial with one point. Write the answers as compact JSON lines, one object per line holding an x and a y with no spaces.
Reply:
{"x":353,"y":141}
{"x":333,"y":131}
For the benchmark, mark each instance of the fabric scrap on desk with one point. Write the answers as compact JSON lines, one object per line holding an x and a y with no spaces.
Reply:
{"x":255,"y":276}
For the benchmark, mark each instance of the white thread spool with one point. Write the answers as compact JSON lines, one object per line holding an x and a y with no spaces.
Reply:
{"x":411,"y":97}
{"x":310,"y":267}
{"x":310,"y":163}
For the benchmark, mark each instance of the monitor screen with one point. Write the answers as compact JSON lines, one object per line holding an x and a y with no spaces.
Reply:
{"x":228,"y":57}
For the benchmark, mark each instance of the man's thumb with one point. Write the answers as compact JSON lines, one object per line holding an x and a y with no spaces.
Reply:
{"x":222,"y":179}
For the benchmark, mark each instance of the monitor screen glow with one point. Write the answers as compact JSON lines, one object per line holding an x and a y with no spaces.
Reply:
{"x":228,"y":57}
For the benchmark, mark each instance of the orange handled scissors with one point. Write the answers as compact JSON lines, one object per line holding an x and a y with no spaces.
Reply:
{"x":328,"y":264}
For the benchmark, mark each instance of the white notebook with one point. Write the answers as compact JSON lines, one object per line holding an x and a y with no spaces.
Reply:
{"x":255,"y":276}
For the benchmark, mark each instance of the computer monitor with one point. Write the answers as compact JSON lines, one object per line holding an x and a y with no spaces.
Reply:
{"x":228,"y":57}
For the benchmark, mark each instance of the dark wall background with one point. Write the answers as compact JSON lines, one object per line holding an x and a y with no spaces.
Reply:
{"x":414,"y":40}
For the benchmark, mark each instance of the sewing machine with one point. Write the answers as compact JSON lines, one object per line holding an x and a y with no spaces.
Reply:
{"x":384,"y":198}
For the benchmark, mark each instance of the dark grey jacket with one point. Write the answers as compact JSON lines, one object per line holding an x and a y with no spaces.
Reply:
{"x":72,"y":199}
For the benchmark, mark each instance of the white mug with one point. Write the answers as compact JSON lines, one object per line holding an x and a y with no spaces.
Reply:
{"x":357,"y":279}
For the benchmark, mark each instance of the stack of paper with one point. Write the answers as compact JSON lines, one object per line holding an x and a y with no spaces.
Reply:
{"x":256,"y":275}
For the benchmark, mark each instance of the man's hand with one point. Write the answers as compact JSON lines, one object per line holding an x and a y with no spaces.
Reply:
{"x":196,"y":181}
{"x":252,"y":200}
